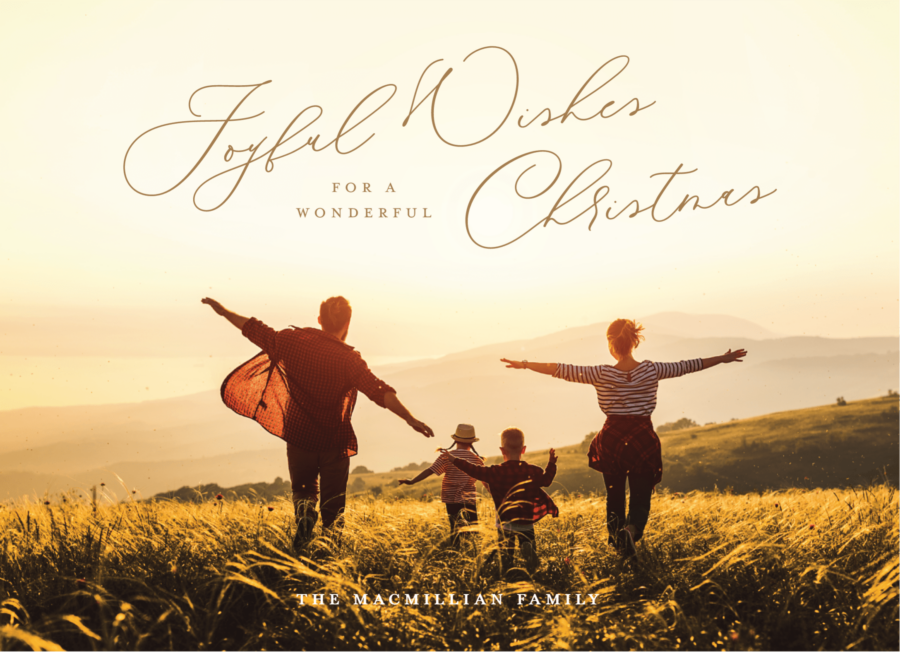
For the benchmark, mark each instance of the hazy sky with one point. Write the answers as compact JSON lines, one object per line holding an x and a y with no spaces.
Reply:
{"x":798,"y":97}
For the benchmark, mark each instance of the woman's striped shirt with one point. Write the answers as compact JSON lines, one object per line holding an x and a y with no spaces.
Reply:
{"x":458,"y":486}
{"x":627,"y":392}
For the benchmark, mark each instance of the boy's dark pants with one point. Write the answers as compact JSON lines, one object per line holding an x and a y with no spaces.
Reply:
{"x":638,"y":504}
{"x":460,"y":515}
{"x":527,"y":544}
{"x":306,"y":468}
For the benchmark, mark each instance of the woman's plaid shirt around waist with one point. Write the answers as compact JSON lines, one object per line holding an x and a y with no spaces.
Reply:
{"x":317,"y":389}
{"x":457,"y":487}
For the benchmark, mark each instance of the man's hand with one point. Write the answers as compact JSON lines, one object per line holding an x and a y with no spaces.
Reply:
{"x":236,"y":320}
{"x":420,"y":427}
{"x":392,"y":403}
{"x":553,"y":456}
{"x":215,"y":305}
{"x":446,"y":457}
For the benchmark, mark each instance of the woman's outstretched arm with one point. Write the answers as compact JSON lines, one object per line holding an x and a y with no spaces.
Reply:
{"x":541,"y":367}
{"x":731,"y":356}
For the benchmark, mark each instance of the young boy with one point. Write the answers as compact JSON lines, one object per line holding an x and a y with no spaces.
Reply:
{"x":457,"y":489}
{"x":516,"y":489}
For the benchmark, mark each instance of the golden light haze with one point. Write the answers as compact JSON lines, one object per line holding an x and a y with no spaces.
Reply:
{"x":801,"y":97}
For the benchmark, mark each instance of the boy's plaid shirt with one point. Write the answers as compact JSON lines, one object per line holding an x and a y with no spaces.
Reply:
{"x":302,"y":387}
{"x":516,"y":489}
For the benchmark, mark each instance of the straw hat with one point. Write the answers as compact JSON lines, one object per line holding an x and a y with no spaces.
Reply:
{"x":465,"y":434}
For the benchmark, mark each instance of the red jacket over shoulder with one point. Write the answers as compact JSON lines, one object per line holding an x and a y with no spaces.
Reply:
{"x":302,"y":387}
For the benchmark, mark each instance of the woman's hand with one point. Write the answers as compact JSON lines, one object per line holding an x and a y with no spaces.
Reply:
{"x":733,"y":356}
{"x":541,"y":367}
{"x":553,"y":456}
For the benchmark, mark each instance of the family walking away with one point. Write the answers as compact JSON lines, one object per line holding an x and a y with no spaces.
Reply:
{"x":303,"y":385}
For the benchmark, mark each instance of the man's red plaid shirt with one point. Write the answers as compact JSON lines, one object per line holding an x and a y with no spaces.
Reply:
{"x":516,"y":488}
{"x":302,"y":387}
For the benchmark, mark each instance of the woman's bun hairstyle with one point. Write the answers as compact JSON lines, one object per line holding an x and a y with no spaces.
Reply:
{"x":624,"y":335}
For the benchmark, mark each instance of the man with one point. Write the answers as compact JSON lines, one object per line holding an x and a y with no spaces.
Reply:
{"x":303,"y":388}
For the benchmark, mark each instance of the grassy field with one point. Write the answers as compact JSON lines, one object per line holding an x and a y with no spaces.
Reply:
{"x":798,"y":569}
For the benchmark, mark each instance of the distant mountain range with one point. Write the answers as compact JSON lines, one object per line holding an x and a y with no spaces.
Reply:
{"x":162,"y":445}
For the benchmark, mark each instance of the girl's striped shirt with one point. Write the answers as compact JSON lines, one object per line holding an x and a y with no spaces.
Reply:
{"x":457,"y":487}
{"x":627,"y":392}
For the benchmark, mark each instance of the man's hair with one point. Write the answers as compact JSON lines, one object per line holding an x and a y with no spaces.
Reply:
{"x":512,"y":439}
{"x":334,"y":313}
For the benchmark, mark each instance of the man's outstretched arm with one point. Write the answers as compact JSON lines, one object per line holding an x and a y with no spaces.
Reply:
{"x":233,"y":317}
{"x":392,"y":403}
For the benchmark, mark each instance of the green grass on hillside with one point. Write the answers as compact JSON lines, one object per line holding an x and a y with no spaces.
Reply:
{"x":828,"y":446}
{"x":780,"y":570}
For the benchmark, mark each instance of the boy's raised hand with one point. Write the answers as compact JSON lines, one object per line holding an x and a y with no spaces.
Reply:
{"x":404,"y":481}
{"x":553,"y":456}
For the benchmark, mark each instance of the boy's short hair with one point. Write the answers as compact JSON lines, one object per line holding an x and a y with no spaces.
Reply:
{"x":513,"y":439}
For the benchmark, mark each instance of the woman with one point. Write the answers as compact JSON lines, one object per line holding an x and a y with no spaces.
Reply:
{"x":626,"y":447}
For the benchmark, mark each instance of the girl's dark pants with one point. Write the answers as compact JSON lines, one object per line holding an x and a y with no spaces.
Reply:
{"x":641,"y":486}
{"x":460,"y":515}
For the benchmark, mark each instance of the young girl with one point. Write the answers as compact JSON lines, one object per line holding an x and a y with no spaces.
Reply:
{"x":457,"y":489}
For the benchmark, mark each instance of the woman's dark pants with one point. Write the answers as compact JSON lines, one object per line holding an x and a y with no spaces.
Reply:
{"x":641,"y":486}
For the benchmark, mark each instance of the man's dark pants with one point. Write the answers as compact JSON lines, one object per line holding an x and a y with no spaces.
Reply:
{"x":641,"y":486}
{"x":306,"y":469}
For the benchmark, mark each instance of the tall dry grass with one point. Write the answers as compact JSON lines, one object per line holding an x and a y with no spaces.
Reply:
{"x":785,"y":570}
